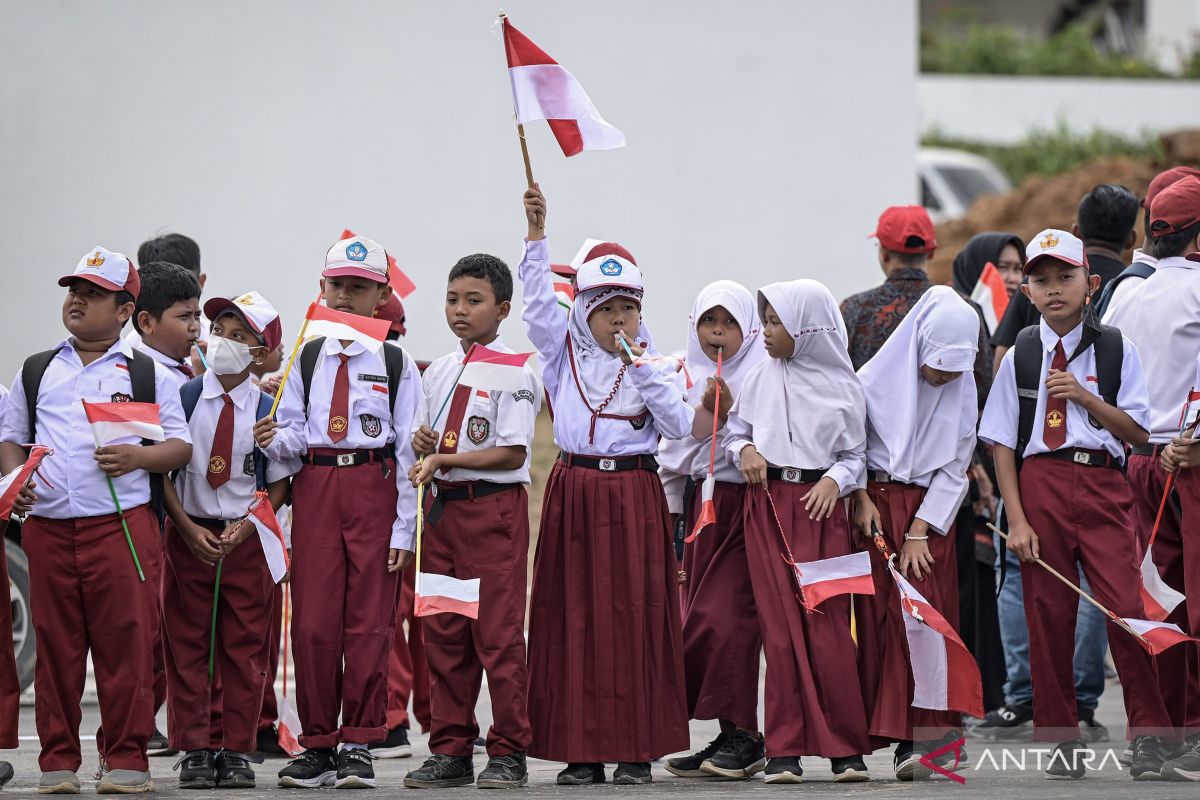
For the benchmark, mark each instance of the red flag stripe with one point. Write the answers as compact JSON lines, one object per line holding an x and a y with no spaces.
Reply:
{"x":520,"y":51}
{"x":368,"y":326}
{"x":482,"y":355}
{"x":122,"y":412}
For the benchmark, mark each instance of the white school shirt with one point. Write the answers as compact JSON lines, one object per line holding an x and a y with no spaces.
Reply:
{"x":1163,"y":320}
{"x":233,"y":498}
{"x":1002,"y":412}
{"x":945,"y":487}
{"x":1127,"y":288}
{"x":177,"y":375}
{"x":74,"y":486}
{"x":3,"y":402}
{"x":546,"y":325}
{"x":491,"y":419}
{"x":692,"y":456}
{"x":372,"y":422}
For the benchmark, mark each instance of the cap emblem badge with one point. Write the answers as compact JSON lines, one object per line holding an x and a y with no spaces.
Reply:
{"x":356,"y":251}
{"x":611,"y":268}
{"x":95,"y":260}
{"x":1048,"y":241}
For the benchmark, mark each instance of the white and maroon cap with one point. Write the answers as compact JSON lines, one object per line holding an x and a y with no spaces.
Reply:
{"x":108,"y":270}
{"x":609,"y":264}
{"x":1053,"y":243}
{"x":357,"y":256}
{"x":255,"y":311}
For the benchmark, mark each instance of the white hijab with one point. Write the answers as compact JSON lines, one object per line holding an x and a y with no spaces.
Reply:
{"x":921,"y":425}
{"x":596,"y":369}
{"x":807,"y":408}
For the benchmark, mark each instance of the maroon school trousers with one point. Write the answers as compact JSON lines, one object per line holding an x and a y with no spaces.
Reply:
{"x":721,"y":643}
{"x":269,"y":712}
{"x":408,"y":670}
{"x":813,"y":703}
{"x":85,"y":595}
{"x":1188,"y":484}
{"x":345,"y":600}
{"x":10,"y":681}
{"x":1082,"y":514}
{"x":243,"y":618}
{"x":485,"y":538}
{"x":883,"y":660}
{"x":1179,"y":667}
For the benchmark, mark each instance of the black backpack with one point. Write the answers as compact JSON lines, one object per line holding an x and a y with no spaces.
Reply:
{"x":393,"y":359}
{"x":1137,"y":269}
{"x":189,"y":396}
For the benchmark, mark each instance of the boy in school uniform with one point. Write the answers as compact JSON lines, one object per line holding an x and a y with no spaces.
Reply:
{"x":208,"y":525}
{"x":167,"y":317}
{"x":477,"y":526}
{"x":1084,"y":396}
{"x":348,"y":417}
{"x":84,"y":588}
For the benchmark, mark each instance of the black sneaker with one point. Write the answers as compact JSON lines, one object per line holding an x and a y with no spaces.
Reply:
{"x":6,"y":772}
{"x":441,"y":771}
{"x":783,"y":769}
{"x":1185,"y":766}
{"x":949,"y":759}
{"x":1092,"y":731}
{"x":266,"y":743}
{"x":394,"y":746}
{"x":504,"y":772}
{"x":578,"y":774}
{"x":312,"y":769}
{"x":630,"y":773}
{"x":197,"y":770}
{"x":480,"y":745}
{"x":158,"y":746}
{"x":689,"y":766}
{"x":1008,"y":723}
{"x":234,"y":770}
{"x":1067,"y":761}
{"x":1148,"y":758}
{"x":740,"y":757}
{"x":851,"y":769}
{"x":355,"y":769}
{"x":905,"y":762}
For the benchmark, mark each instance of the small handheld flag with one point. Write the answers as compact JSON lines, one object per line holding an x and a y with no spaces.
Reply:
{"x":829,"y":577}
{"x":991,"y":296}
{"x":12,"y":483}
{"x":708,"y":511}
{"x":270,"y":536}
{"x":492,"y":370}
{"x":333,"y":324}
{"x":113,"y":421}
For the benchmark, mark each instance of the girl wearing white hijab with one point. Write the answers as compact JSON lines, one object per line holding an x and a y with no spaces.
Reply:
{"x":797,"y":430}
{"x":721,"y":643}
{"x":921,"y":415}
{"x":605,"y":653}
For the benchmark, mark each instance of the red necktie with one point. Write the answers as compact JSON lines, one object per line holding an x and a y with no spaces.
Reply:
{"x":186,"y":370}
{"x":458,"y":408}
{"x":1054,"y":430}
{"x":222,"y":447}
{"x":339,"y":408}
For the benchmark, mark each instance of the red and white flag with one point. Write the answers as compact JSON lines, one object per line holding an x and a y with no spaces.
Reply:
{"x":544,"y":90}
{"x":271,"y":537}
{"x":829,"y":577}
{"x":945,"y":675}
{"x":441,"y":594}
{"x":565,"y":293}
{"x":289,"y":726}
{"x":113,"y":421}
{"x":494,"y":371}
{"x":991,"y":296}
{"x":708,"y":512}
{"x":1157,"y":636}
{"x":10,"y":484}
{"x":401,"y":284}
{"x":371,"y":332}
{"x":1158,"y":598}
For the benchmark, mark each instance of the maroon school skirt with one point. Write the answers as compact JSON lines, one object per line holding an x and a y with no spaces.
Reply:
{"x":605,"y":653}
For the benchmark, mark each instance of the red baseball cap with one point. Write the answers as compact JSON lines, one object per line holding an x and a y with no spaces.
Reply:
{"x":1164,"y":179}
{"x":1176,"y":207}
{"x":393,"y":312}
{"x":108,"y":270}
{"x":906,"y":229}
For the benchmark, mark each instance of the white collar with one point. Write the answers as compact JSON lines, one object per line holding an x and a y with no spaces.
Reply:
{"x":1050,"y":338}
{"x":1177,"y":262}
{"x":160,"y":356}
{"x":119,"y":347}
{"x":241,"y":394}
{"x":496,"y":344}
{"x":334,"y":347}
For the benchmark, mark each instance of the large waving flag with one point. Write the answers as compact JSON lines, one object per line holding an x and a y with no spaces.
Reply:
{"x":492,"y":370}
{"x":1158,"y":599}
{"x":271,"y":536}
{"x":991,"y":296}
{"x":544,"y":90}
{"x":1157,"y":636}
{"x":829,"y":577}
{"x":441,"y":594}
{"x":401,"y":284}
{"x":11,"y":484}
{"x":112,"y":421}
{"x":334,"y":324}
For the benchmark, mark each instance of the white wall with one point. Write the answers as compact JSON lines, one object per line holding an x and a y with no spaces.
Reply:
{"x":1005,"y":109}
{"x":763,"y":142}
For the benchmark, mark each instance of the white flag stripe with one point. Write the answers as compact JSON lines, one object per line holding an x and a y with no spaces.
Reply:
{"x":493,"y":377}
{"x":272,"y":549}
{"x":549,"y":91}
{"x":855,"y":565}
{"x":982,"y":296}
{"x":108,"y":432}
{"x":908,"y":589}
{"x":338,"y":330}
{"x":927,"y":650}
{"x":706,"y":489}
{"x":1143,"y":626}
{"x":1153,"y":584}
{"x":444,"y":586}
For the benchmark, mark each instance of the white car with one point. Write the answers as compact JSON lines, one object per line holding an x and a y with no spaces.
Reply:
{"x":952,"y":179}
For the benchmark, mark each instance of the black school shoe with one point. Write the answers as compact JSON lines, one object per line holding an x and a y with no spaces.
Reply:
{"x":197,"y":770}
{"x":6,"y":772}
{"x":234,"y":770}
{"x":504,"y":772}
{"x":851,"y":769}
{"x":312,"y":769}
{"x":1009,"y":723}
{"x":783,"y":769}
{"x":1148,"y":758}
{"x":158,"y":745}
{"x":266,"y":743}
{"x":396,"y":745}
{"x":1066,"y":762}
{"x":630,"y":773}
{"x":739,"y":758}
{"x":355,"y":769}
{"x":580,"y":773}
{"x":1185,"y":766}
{"x":442,"y":771}
{"x":689,"y":766}
{"x":905,"y":762}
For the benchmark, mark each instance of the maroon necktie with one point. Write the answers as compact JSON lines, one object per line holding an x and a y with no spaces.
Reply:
{"x":1054,"y":430}
{"x":186,"y":369}
{"x":339,"y":408}
{"x":222,"y":447}
{"x":458,"y":408}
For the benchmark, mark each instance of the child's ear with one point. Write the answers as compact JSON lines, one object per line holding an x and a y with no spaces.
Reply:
{"x":144,"y":320}
{"x":385,"y":294}
{"x":503,"y":310}
{"x":125,"y":311}
{"x":1025,"y":291}
{"x":1093,"y":285}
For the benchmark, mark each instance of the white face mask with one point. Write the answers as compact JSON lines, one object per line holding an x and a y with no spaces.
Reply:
{"x":227,"y":357}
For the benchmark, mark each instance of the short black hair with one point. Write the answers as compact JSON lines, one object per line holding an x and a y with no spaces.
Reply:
{"x":488,"y":268}
{"x":173,"y":248}
{"x":1148,"y":235}
{"x":910,"y":260}
{"x":1107,"y":214}
{"x":1176,"y":244}
{"x":163,"y":285}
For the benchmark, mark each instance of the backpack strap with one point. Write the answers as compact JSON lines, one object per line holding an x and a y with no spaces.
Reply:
{"x":1027,"y":361}
{"x":1138,"y":269}
{"x":189,"y":396}
{"x":308,"y":364}
{"x":1110,"y":358}
{"x":393,"y":359}
{"x":31,"y":381}
{"x":265,"y":401}
{"x":141,"y":377}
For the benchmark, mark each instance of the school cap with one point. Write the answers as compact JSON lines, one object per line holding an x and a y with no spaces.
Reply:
{"x":609,"y":265}
{"x":108,"y":270}
{"x":1164,"y":179}
{"x":1176,"y":207}
{"x":254,"y":310}
{"x":393,"y":312}
{"x":565,"y":270}
{"x":357,"y":256}
{"x":1053,"y":243}
{"x":905,"y":229}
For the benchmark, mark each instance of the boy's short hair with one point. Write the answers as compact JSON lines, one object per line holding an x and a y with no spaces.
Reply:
{"x":1107,"y":214}
{"x":172,"y":248}
{"x":489,"y":268}
{"x":910,"y":260}
{"x":1170,"y":245}
{"x":163,"y":285}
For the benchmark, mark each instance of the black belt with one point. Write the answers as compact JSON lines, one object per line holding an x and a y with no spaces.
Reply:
{"x":1088,"y":458}
{"x":879,"y":476}
{"x":794,"y":474}
{"x":330,"y":457}
{"x":450,"y":492}
{"x":1148,"y":449}
{"x":213,"y":523}
{"x":618,"y":464}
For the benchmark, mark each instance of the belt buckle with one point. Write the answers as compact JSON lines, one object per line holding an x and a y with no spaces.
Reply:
{"x":608,"y":465}
{"x":882,"y":477}
{"x":789,"y":475}
{"x":1083,"y":458}
{"x":345,"y":459}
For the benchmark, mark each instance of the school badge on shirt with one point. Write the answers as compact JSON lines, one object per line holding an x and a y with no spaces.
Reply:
{"x":337,"y":424}
{"x":216,"y":465}
{"x":478,"y":429}
{"x":1054,"y":419}
{"x":450,"y":440}
{"x":371,"y":426}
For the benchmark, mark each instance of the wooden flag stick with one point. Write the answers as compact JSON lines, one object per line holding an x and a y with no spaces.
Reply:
{"x":1170,"y":483}
{"x":212,"y":635}
{"x":291,"y":360}
{"x":525,"y":155}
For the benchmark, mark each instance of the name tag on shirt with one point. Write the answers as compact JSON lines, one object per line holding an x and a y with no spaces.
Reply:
{"x":362,"y":376}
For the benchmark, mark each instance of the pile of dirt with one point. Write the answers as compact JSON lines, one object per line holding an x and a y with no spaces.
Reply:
{"x":1050,"y":202}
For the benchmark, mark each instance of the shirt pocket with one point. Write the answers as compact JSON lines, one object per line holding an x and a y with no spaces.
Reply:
{"x":372,"y":415}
